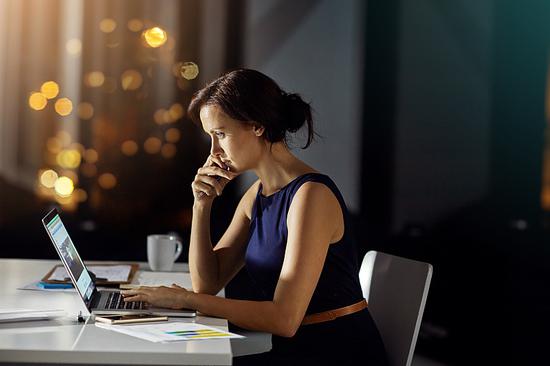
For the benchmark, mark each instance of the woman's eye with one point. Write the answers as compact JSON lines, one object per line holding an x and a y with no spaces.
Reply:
{"x":220,"y":134}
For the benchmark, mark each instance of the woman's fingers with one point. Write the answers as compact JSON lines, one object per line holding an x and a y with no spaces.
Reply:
{"x":201,"y":187}
{"x":216,"y":171}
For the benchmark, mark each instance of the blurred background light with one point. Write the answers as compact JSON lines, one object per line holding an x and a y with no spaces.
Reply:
{"x":189,"y":70}
{"x":152,"y":145}
{"x":63,"y":106}
{"x":107,"y":25}
{"x":131,"y":80}
{"x":37,"y":101}
{"x":85,"y":110}
{"x":107,"y":181}
{"x":48,"y":178}
{"x":155,"y":37}
{"x":129,"y":147}
{"x":50,"y":89}
{"x":64,"y":186}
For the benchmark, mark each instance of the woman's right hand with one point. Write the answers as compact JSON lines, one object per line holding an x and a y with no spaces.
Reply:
{"x":211,"y":179}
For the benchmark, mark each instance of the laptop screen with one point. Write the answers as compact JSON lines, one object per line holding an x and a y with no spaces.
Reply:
{"x":65,"y":247}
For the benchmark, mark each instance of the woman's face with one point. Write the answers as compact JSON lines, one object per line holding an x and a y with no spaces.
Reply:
{"x":236,"y":143}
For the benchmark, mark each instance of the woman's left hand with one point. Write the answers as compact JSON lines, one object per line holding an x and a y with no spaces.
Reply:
{"x":173,"y":297}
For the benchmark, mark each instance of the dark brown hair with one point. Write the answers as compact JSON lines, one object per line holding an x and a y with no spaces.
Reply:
{"x":250,"y":96}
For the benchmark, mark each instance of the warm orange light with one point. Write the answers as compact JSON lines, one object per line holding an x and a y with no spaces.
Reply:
{"x":189,"y":70}
{"x":159,"y":116}
{"x":50,"y":89}
{"x":63,"y":106}
{"x":38,"y":101}
{"x":107,"y":25}
{"x":73,"y":46}
{"x":48,"y":178}
{"x":135,"y":25}
{"x":131,"y":80}
{"x":155,"y":37}
{"x":176,"y":111}
{"x":64,"y":186}
{"x":107,"y":181}
{"x":85,"y":111}
{"x":152,"y":145}
{"x":91,"y":156}
{"x":129,"y":148}
{"x":69,"y":159}
{"x":172,"y":135}
{"x":94,"y":79}
{"x":168,"y":151}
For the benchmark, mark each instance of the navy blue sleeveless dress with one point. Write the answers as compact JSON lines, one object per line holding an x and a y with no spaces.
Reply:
{"x":350,"y":339}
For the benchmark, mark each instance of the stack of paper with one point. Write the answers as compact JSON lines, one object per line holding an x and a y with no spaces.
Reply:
{"x":170,"y":332}
{"x":15,"y":315}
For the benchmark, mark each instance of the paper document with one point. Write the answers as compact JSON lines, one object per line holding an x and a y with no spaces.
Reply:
{"x":170,"y":332}
{"x":118,"y":273}
{"x":147,"y":278}
{"x":14,"y":315}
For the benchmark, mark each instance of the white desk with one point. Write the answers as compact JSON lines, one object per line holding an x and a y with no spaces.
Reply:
{"x":67,"y":341}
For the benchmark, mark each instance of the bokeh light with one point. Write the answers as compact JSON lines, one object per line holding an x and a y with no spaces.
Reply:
{"x":85,"y":110}
{"x":107,"y":181}
{"x":91,"y":156}
{"x":69,"y":159}
{"x":129,"y":147}
{"x":107,"y":25}
{"x":189,"y":70}
{"x":48,"y":178}
{"x":63,"y":106}
{"x":168,"y":151}
{"x":176,"y":111}
{"x":38,"y":101}
{"x":155,"y":37}
{"x":135,"y":25}
{"x":152,"y":145}
{"x":131,"y":80}
{"x":50,"y":89}
{"x":172,"y":135}
{"x":64,"y":186}
{"x":94,"y":79}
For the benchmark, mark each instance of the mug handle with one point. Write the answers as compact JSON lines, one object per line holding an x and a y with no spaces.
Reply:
{"x":179,"y":249}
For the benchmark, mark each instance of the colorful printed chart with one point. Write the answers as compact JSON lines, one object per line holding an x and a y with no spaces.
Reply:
{"x":170,"y":332}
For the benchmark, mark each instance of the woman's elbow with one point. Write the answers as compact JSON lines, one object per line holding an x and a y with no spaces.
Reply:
{"x":287,"y":327}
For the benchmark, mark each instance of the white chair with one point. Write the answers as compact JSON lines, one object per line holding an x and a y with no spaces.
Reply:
{"x":396,"y":289}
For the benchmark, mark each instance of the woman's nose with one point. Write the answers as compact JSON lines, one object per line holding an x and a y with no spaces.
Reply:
{"x":215,"y":149}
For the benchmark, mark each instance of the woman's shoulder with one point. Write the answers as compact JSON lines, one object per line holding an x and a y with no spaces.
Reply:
{"x":249,"y":197}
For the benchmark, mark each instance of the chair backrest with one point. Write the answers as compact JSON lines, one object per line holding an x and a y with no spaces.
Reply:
{"x":396,"y":289}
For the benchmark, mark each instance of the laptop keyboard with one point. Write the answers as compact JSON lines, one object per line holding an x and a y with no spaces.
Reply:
{"x":115,"y":301}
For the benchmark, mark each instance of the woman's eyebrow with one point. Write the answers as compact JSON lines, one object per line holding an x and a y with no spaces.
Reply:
{"x":217,"y":128}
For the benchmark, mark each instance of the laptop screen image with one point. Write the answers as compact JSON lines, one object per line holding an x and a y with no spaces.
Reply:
{"x":67,"y":251}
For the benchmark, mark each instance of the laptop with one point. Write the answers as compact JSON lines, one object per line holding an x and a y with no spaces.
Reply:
{"x":105,"y":301}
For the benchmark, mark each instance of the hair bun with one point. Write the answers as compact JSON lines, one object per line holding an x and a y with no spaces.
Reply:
{"x":298,"y":111}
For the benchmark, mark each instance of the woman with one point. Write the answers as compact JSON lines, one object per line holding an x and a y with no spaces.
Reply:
{"x":290,"y":231}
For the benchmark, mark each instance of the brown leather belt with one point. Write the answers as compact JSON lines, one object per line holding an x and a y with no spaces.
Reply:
{"x":329,"y":315}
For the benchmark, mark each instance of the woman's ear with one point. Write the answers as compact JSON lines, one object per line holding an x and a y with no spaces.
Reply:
{"x":258,"y":130}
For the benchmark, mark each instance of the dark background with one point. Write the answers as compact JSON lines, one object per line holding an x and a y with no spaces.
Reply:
{"x":487,"y":301}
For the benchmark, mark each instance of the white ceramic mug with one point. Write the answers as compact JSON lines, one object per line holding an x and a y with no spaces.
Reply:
{"x":162,"y":251}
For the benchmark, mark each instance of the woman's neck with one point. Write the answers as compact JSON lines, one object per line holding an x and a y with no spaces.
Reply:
{"x":277,"y":167}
